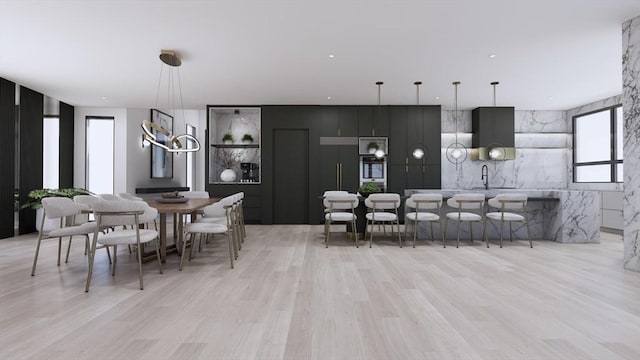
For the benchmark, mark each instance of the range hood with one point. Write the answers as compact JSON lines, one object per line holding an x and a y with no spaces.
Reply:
{"x":493,"y":133}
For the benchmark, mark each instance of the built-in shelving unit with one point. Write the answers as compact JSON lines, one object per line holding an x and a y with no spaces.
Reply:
{"x":237,"y":162}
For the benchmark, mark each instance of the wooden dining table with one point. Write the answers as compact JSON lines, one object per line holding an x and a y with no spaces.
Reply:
{"x":179,"y":209}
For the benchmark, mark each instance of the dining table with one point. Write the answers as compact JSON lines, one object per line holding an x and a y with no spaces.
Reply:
{"x":178,"y":208}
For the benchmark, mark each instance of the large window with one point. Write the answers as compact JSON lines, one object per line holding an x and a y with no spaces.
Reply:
{"x":50,"y":152}
{"x":597,"y":146}
{"x":100,"y":149}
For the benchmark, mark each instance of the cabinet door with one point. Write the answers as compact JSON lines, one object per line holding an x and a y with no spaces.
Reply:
{"x":329,"y":168}
{"x":330,"y":123}
{"x":348,"y":121}
{"x":397,"y":135}
{"x":381,"y":121}
{"x":396,"y":178}
{"x":350,"y":162}
{"x":365,"y":121}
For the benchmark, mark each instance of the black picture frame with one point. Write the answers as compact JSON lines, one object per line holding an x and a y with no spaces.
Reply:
{"x":161,"y":159}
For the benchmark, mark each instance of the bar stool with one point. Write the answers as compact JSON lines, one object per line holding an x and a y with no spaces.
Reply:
{"x":468,"y":202}
{"x":517,"y":204}
{"x":340,"y":208}
{"x":380,"y":206}
{"x":421,"y":204}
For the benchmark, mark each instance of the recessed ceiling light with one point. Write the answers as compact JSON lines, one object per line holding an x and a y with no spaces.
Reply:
{"x":332,"y":56}
{"x":103,"y":97}
{"x":550,"y":97}
{"x":328,"y":97}
{"x":437,"y":97}
{"x":492,"y":56}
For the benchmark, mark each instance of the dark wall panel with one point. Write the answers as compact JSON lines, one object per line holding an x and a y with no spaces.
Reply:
{"x":7,"y":156}
{"x":31,"y":114}
{"x":66,"y":146}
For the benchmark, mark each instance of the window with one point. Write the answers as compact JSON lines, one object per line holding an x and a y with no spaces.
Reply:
{"x":50,"y":152}
{"x":99,"y":160}
{"x":597,"y":146}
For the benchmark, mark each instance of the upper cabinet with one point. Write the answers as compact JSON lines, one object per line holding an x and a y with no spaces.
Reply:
{"x":339,"y":121}
{"x":373,"y":121}
{"x":493,"y":127}
{"x":234,"y":145}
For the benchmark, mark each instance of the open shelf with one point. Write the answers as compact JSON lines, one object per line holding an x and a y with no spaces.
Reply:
{"x":236,"y":146}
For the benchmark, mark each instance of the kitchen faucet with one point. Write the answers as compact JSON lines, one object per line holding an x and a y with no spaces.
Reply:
{"x":485,"y":177}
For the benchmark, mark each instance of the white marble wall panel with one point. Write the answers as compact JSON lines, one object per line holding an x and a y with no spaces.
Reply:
{"x":631,"y":114}
{"x":596,"y":105}
{"x":535,"y":166}
{"x":533,"y":121}
{"x":541,"y":140}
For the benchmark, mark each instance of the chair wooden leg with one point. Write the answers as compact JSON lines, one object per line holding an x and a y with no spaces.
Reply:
{"x":92,"y":253}
{"x":59,"y":249}
{"x":444,"y":235}
{"x":484,"y":232}
{"x":66,"y":258}
{"x":35,"y":258}
{"x":398,"y":228}
{"x":184,"y":249}
{"x":115,"y":260}
{"x":231,"y":249}
{"x":444,"y":245}
{"x":140,"y":264}
{"x":327,"y":232}
{"x":529,"y":234}
{"x":458,"y":234}
{"x":355,"y":233}
{"x":501,"y":228}
{"x":371,"y":235}
{"x":471,"y":230}
{"x":415,"y":231}
{"x":158,"y":254}
{"x":510,"y":231}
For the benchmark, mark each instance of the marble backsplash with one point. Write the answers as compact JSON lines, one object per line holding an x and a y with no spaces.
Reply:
{"x":541,"y":161}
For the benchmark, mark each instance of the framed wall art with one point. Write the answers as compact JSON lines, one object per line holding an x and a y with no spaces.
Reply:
{"x":161,"y":159}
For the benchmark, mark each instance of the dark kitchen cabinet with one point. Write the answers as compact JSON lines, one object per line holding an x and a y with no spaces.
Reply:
{"x":339,"y":168}
{"x":339,"y":121}
{"x":373,"y":121}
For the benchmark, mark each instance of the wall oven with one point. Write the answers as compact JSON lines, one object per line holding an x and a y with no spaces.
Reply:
{"x":373,"y":169}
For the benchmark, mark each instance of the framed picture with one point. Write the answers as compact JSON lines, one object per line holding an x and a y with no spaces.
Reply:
{"x":161,"y":159}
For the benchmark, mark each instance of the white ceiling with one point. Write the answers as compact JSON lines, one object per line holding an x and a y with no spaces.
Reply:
{"x":550,"y":54}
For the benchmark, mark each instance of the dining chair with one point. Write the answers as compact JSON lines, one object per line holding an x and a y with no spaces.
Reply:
{"x":382,"y":209}
{"x":125,"y":216}
{"x":512,"y":208}
{"x":340,"y":208}
{"x":423,"y":208}
{"x":64,"y":210}
{"x":202,"y":228}
{"x":465,"y":205}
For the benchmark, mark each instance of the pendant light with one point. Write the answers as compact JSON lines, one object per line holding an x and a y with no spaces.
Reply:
{"x":419,"y":150}
{"x":380,"y":153}
{"x":154,"y":133}
{"x":456,"y":153}
{"x":495,"y":151}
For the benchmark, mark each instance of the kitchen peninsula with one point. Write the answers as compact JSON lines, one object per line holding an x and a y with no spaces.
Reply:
{"x":565,"y":216}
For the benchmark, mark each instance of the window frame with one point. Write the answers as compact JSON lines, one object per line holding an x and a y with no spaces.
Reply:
{"x":612,"y":162}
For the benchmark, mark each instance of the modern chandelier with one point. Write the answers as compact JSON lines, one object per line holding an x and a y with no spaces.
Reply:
{"x":150,"y":130}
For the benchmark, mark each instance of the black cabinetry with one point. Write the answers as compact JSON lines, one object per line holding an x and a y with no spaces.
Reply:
{"x":373,"y":121}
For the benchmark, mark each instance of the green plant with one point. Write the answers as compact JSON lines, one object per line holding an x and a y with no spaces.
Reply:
{"x":247,"y":137}
{"x":36,"y":196}
{"x":369,"y":188}
{"x":372,"y":145}
{"x":227,"y":137}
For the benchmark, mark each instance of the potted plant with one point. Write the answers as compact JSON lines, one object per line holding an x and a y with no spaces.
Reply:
{"x":372,"y":147}
{"x":228,"y":158}
{"x":247,"y":139}
{"x":35,"y":201}
{"x":227,"y":139}
{"x":368,"y":189}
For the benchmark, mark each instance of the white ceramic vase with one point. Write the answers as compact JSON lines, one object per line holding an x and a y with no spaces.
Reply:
{"x":227,"y":175}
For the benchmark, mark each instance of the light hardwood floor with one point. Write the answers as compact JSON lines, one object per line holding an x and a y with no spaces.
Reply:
{"x":290,"y":298}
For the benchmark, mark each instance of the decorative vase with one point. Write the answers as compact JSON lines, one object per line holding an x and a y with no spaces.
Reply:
{"x":246,"y":142}
{"x":228,"y":142}
{"x":227,"y":175}
{"x":372,"y":150}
